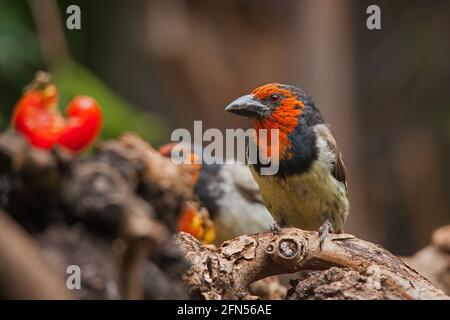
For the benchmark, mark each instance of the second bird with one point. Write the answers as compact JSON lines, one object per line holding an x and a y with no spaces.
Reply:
{"x":309,"y":191}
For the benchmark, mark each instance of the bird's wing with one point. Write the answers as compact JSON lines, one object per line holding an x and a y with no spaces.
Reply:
{"x":339,"y":170}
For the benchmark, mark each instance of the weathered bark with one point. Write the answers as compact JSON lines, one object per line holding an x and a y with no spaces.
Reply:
{"x":104,"y":212}
{"x":142,"y":237}
{"x":270,"y":288}
{"x":339,"y":284}
{"x":227,"y":272}
{"x":24,"y":274}
{"x":154,"y":177}
{"x":433,"y":261}
{"x":112,"y":212}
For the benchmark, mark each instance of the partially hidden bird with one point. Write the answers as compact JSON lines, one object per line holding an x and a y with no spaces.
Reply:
{"x":230,"y":196}
{"x":309,"y":190}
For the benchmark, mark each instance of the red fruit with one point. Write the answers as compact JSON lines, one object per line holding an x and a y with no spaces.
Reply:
{"x":36,"y":117}
{"x":196,"y":221}
{"x":82,"y":125}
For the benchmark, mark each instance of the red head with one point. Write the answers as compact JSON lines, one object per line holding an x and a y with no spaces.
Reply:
{"x":273,"y":106}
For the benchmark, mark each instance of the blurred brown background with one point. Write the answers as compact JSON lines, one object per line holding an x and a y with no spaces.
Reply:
{"x":158,"y":65}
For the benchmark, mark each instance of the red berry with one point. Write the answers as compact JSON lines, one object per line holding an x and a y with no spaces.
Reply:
{"x":83,"y":124}
{"x":38,"y":120}
{"x":36,"y":116}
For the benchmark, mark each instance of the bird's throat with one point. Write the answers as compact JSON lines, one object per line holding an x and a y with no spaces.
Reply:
{"x":285,"y":119}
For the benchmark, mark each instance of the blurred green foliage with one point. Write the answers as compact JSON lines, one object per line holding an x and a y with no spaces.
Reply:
{"x":20,"y":58}
{"x":18,"y":42}
{"x":19,"y":54}
{"x":73,"y":79}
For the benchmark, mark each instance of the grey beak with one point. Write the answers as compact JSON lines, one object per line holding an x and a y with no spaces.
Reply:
{"x":248,"y":106}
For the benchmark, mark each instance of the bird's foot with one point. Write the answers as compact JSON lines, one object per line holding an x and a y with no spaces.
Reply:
{"x":275,"y":228}
{"x":324,"y":230}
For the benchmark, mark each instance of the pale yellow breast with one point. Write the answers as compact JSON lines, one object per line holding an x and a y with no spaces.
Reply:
{"x":306,"y":200}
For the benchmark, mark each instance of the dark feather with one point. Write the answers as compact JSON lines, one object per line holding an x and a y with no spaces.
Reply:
{"x":339,"y":170}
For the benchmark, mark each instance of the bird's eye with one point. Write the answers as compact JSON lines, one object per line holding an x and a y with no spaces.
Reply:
{"x":275,"y":98}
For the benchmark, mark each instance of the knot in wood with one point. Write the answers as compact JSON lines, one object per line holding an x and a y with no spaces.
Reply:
{"x":286,"y":249}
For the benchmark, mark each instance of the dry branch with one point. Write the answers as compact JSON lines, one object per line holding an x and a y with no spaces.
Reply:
{"x":110,"y":212}
{"x":24,"y":274}
{"x":227,"y":272}
{"x":433,"y":261}
{"x":157,"y":179}
{"x":117,"y":207}
{"x":141,"y":237}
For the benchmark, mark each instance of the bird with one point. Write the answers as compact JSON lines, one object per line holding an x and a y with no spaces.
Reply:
{"x":229,"y":194}
{"x":309,"y":191}
{"x":233,"y":199}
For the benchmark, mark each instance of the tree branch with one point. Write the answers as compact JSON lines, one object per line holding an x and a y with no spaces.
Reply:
{"x":433,"y":261}
{"x":226,"y":272}
{"x":23,"y":272}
